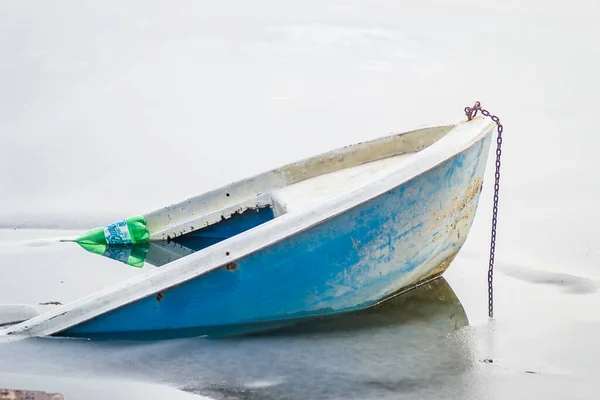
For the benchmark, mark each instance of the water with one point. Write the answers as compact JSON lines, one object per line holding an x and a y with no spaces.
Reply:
{"x":157,"y":102}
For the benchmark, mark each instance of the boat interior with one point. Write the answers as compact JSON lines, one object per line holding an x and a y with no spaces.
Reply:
{"x":200,"y":222}
{"x":217,"y":215}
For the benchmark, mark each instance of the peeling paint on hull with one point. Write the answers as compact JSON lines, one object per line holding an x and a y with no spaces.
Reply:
{"x":351,"y":261}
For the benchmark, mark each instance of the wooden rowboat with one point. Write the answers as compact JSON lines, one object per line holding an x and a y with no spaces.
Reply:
{"x":337,"y":232}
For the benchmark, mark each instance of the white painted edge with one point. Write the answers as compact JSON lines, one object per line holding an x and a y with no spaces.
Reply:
{"x":462,"y":137}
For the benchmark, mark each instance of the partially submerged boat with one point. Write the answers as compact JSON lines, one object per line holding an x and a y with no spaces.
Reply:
{"x":336,"y":232}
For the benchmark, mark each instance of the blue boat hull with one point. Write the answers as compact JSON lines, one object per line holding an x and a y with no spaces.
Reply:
{"x":349,"y":262}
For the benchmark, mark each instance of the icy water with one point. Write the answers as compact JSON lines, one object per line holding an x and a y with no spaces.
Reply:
{"x":109,"y":109}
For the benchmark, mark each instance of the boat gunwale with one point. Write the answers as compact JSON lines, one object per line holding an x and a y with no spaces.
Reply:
{"x":138,"y":287}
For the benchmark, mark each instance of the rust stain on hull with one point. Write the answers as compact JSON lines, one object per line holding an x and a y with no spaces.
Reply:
{"x":442,"y":267}
{"x":458,"y":209}
{"x":460,"y":204}
{"x":231,"y":267}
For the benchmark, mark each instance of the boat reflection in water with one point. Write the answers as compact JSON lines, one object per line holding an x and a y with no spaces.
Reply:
{"x":408,"y":345}
{"x":433,"y":305}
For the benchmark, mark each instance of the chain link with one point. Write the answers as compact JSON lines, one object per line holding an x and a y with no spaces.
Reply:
{"x":471,"y":112}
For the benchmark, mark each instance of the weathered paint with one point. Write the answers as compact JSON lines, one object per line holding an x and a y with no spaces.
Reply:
{"x":348,"y":262}
{"x":347,"y":253}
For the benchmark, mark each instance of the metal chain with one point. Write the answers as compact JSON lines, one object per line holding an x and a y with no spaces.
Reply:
{"x":471,"y":112}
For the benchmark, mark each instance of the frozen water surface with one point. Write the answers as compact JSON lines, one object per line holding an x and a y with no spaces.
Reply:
{"x":114,"y":108}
